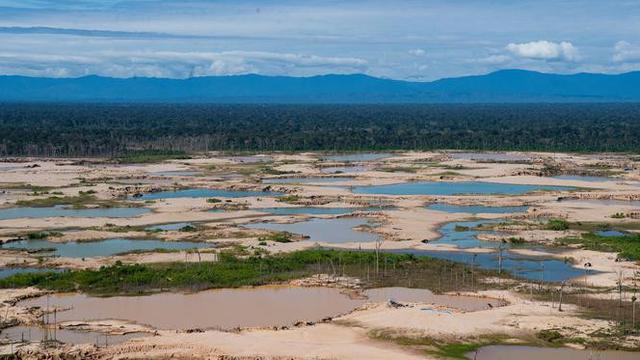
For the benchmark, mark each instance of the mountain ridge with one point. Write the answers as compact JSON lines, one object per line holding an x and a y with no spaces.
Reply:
{"x":509,"y":85}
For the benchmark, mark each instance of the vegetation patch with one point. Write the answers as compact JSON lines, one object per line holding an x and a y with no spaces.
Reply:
{"x":627,"y":245}
{"x":43,"y":235}
{"x":442,"y":348}
{"x":81,"y":201}
{"x":288,"y":199}
{"x":557,"y":225}
{"x":235,"y":268}
{"x":281,"y":237}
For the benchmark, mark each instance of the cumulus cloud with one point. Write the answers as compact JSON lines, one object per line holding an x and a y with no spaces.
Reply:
{"x":494,"y":60}
{"x":545,"y":50}
{"x":625,"y":52}
{"x":417,"y":52}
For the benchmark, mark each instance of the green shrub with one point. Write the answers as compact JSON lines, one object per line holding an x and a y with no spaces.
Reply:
{"x":43,"y":235}
{"x":289,"y":198}
{"x":557,"y":225}
{"x":281,"y":237}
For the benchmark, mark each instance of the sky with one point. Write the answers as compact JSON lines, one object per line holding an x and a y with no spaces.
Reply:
{"x":397,"y":39}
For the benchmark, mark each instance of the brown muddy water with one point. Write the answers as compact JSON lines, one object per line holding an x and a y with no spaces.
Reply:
{"x":510,"y":352}
{"x":36,"y":334}
{"x":218,"y":309}
{"x":399,"y":294}
{"x":230,"y":308}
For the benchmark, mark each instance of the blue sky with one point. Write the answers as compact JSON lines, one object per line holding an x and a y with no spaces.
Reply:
{"x":399,"y":39}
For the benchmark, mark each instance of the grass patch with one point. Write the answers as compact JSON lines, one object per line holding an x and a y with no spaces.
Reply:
{"x":268,"y":170}
{"x":393,"y":169}
{"x":627,"y":246}
{"x":150,"y":156}
{"x":288,"y":199}
{"x":43,"y":235}
{"x":281,"y":237}
{"x":557,"y":225}
{"x":235,"y":268}
{"x":440,"y":347}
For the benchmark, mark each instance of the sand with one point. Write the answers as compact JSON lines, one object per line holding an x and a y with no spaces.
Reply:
{"x":407,"y":225}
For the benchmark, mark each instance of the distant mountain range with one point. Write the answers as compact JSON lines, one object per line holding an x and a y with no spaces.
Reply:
{"x":500,"y":86}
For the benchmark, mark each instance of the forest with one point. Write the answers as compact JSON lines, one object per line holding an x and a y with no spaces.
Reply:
{"x":111,"y":130}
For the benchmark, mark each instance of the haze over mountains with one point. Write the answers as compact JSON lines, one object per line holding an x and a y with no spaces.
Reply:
{"x":500,"y":86}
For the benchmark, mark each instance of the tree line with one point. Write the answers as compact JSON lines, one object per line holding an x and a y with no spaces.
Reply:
{"x":114,"y":129}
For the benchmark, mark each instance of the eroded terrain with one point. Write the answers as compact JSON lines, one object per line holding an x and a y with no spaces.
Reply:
{"x":309,"y":255}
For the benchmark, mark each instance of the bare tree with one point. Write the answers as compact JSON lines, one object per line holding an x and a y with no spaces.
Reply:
{"x":379,"y":241}
{"x":560,"y":300}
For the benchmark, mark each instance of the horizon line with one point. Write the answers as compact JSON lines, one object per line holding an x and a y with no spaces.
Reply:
{"x":320,"y":75}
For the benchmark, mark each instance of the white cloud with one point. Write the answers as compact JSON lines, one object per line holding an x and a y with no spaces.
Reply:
{"x":545,"y":50}
{"x":176,"y":64}
{"x":417,"y":52}
{"x":624,"y":52}
{"x":494,"y":60}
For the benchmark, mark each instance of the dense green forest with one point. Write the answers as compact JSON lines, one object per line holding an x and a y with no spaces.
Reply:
{"x":114,"y":129}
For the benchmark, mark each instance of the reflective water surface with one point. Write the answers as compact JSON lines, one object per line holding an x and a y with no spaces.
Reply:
{"x":454,"y":188}
{"x":203,"y":193}
{"x":223,"y":309}
{"x":61,"y":210}
{"x":511,"y":352}
{"x":477,"y":209}
{"x":324,"y":230}
{"x":67,"y":336}
{"x":107,"y":247}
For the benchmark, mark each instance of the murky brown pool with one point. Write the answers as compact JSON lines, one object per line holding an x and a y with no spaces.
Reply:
{"x":229,"y":308}
{"x":37,"y":334}
{"x":465,"y":303}
{"x":224,"y":309}
{"x":509,"y":352}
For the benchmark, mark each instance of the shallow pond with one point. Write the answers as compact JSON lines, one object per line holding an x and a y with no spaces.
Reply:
{"x":223,"y":309}
{"x":203,"y":193}
{"x":102,"y":247}
{"x":307,"y":210}
{"x":489,"y":156}
{"x":400,"y":294}
{"x":454,"y":188}
{"x":354,"y":157}
{"x":477,"y":209}
{"x":307,"y":180}
{"x":324,"y":230}
{"x":531,"y":268}
{"x":510,"y":352}
{"x":314,"y":210}
{"x":61,"y":210}
{"x":610,"y":233}
{"x":176,"y":173}
{"x":36,"y":334}
{"x":265,"y":306}
{"x":463,"y":234}
{"x":344,"y":169}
